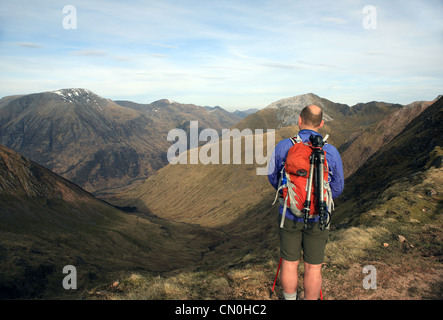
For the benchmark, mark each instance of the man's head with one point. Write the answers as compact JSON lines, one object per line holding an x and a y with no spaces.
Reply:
{"x":311,"y":117}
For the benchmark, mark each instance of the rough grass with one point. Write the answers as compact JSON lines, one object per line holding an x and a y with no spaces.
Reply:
{"x":251,"y":282}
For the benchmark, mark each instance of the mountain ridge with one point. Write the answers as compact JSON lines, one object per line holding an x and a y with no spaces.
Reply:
{"x":362,"y":145}
{"x":342,"y":122}
{"x":94,"y":141}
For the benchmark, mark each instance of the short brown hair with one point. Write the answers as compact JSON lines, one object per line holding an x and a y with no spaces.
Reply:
{"x":310,"y":117}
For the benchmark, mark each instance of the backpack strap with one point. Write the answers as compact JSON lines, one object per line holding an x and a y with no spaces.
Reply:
{"x":282,"y":183}
{"x":296,"y":139}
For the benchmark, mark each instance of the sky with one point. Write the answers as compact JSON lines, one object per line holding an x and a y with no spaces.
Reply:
{"x":234,"y":54}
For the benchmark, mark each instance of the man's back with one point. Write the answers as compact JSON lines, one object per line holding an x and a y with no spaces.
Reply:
{"x":332,"y":156}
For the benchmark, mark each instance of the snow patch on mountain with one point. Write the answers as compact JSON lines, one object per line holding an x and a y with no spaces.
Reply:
{"x":79,"y":95}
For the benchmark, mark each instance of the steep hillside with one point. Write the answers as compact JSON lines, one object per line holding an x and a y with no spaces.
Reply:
{"x":397,"y":192}
{"x":47,"y":222}
{"x":362,"y":145}
{"x":413,"y":151}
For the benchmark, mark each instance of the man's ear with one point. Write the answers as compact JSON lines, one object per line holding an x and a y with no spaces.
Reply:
{"x":321,"y":124}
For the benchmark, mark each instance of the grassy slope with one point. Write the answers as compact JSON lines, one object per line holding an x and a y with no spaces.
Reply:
{"x":211,"y":195}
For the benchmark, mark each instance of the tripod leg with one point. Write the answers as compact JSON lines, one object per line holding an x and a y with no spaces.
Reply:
{"x":320,"y":189}
{"x":308,"y":192}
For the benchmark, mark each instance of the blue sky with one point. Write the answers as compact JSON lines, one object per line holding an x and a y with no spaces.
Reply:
{"x":235,"y":54}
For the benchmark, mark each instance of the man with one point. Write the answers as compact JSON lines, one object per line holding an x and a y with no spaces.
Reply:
{"x":293,"y":236}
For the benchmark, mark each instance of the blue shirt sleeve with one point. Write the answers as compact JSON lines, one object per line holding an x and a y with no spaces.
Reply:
{"x":335,"y":169}
{"x":277,"y":161}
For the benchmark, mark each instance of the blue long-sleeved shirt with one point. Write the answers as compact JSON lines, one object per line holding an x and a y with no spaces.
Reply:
{"x":332,"y":156}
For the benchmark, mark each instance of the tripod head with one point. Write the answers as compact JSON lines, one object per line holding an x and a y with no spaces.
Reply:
{"x":317,"y":141}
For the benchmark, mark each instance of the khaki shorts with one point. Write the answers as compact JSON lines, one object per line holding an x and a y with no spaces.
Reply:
{"x":294,"y":238}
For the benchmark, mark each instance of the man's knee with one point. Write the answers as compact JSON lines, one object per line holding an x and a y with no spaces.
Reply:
{"x":312,"y":267}
{"x":290,"y":264}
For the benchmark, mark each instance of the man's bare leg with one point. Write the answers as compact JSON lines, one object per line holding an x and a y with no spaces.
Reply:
{"x":312,"y":281}
{"x":289,"y":276}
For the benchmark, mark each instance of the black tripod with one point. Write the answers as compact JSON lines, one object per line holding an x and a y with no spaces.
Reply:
{"x":317,"y":161}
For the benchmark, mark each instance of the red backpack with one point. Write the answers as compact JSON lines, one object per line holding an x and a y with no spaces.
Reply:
{"x":299,"y":182}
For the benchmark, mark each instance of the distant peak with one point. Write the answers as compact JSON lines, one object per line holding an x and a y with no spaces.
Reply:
{"x":211,"y":109}
{"x":297,"y":102}
{"x":79,"y":95}
{"x":288,"y":109}
{"x":164,"y":101}
{"x":76,"y":91}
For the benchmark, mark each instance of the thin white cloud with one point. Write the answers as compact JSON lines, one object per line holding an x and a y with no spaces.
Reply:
{"x":335,"y":20}
{"x":284,"y":66}
{"x":163,"y":45}
{"x":29,"y":45}
{"x":90,"y":52}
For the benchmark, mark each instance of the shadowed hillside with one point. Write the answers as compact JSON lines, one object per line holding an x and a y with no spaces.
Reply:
{"x":47,"y":222}
{"x":409,"y":154}
{"x":362,"y":145}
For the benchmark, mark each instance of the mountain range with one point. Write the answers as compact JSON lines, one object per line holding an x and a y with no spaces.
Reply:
{"x":102,"y":144}
{"x":341,"y":120}
{"x":95,"y":142}
{"x":190,"y":220}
